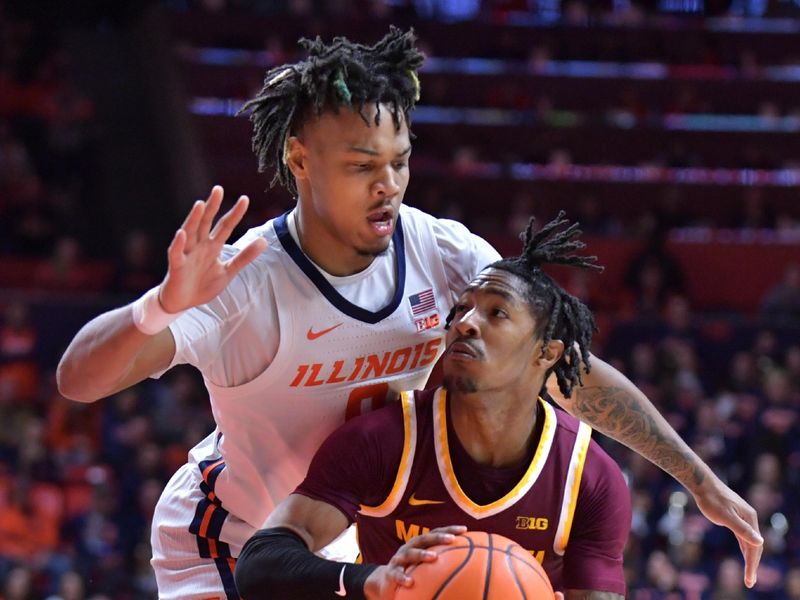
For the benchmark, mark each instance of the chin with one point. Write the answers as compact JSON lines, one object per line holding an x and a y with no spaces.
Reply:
{"x":375,"y":249}
{"x":463,"y":385}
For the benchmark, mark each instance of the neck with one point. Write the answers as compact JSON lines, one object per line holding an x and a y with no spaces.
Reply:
{"x":495,"y":428}
{"x":326,"y":251}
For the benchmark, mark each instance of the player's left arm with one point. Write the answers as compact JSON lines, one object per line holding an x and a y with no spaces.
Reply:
{"x":614,"y":406}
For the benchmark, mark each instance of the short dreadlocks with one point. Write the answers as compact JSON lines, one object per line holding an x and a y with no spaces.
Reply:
{"x":342,"y":74}
{"x":558,"y":314}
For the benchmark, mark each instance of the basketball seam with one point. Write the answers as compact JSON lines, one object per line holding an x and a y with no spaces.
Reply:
{"x":473,"y":546}
{"x":514,"y":572}
{"x":488,"y":568}
{"x":457,"y":571}
{"x":538,"y":574}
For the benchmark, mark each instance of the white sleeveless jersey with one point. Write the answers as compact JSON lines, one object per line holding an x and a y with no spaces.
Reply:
{"x":334,"y":360}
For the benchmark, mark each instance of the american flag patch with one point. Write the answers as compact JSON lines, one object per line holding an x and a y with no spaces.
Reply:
{"x":422,"y":302}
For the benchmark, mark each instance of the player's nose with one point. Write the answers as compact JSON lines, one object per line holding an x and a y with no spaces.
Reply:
{"x":467,"y":325}
{"x":387,"y":184}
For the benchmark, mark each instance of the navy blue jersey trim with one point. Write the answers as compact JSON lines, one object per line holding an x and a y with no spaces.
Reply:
{"x":327,"y":290}
{"x":226,"y":574}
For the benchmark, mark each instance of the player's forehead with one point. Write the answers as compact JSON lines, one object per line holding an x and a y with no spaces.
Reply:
{"x":498,"y":282}
{"x":348,"y":130}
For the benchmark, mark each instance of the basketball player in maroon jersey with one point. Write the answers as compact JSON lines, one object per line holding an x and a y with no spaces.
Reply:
{"x":483,"y":452}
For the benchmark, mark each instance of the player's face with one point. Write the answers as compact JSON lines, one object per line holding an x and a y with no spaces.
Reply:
{"x":490,"y":343}
{"x":353,"y":179}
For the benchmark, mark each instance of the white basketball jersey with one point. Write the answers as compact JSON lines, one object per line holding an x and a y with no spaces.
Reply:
{"x":334,"y":361}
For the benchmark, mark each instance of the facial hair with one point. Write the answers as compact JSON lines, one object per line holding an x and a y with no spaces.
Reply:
{"x":463,"y":385}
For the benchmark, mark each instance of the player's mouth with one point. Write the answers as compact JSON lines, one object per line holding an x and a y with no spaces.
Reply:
{"x":382,"y":221}
{"x":463,"y":351}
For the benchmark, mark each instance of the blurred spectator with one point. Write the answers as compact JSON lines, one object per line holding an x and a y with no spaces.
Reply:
{"x":662,"y":579}
{"x":18,"y":584}
{"x":653,"y":275}
{"x":729,"y":584}
{"x":19,"y":370}
{"x":782,"y":301}
{"x":522,"y":209}
{"x":27,"y":532}
{"x":65,"y":269}
{"x":95,"y":534}
{"x":791,"y":587}
{"x":135,"y":272}
{"x":70,"y":587}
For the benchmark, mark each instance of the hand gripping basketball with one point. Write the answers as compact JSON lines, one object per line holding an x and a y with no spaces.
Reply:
{"x":478,"y":566}
{"x":196,"y":274}
{"x":386,"y":579}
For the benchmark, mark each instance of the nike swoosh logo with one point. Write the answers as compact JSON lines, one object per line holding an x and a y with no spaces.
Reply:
{"x":341,"y":591}
{"x":312,"y":335}
{"x":414,"y":501}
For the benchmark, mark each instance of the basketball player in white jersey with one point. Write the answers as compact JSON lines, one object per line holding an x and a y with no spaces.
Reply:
{"x":320,"y":314}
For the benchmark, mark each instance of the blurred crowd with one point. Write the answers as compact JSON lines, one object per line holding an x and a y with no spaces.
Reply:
{"x":78,"y":482}
{"x":575,"y":11}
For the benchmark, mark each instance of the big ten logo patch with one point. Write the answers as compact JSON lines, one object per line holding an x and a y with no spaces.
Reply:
{"x":428,"y":322}
{"x":535,"y":523}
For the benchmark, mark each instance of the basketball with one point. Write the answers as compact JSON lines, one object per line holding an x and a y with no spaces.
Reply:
{"x":481,"y":566}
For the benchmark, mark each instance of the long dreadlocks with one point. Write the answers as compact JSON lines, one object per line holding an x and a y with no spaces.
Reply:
{"x":559,"y":315}
{"x":342,"y":74}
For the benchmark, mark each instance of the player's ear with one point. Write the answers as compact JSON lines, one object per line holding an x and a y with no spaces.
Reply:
{"x":294,"y":155}
{"x":553,"y":351}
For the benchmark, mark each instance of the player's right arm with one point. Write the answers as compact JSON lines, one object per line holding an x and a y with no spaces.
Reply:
{"x":278,"y":562}
{"x":110,"y":353}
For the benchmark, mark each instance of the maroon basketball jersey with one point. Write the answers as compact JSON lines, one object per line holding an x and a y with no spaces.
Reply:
{"x":537,"y":513}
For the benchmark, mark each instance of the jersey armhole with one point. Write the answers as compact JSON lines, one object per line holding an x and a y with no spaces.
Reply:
{"x":571,"y":487}
{"x":406,"y":460}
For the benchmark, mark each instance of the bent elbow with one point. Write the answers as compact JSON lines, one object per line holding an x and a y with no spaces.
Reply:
{"x":71,"y":385}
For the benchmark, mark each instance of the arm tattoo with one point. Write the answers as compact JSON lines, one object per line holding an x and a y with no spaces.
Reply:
{"x":591,"y":595}
{"x":620,"y":415}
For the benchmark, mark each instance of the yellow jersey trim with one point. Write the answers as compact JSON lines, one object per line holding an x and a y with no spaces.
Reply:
{"x":447,"y":472}
{"x":406,"y":460}
{"x":571,"y":488}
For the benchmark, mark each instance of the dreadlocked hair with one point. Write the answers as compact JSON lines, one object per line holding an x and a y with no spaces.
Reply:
{"x":342,"y":74}
{"x":559,"y":314}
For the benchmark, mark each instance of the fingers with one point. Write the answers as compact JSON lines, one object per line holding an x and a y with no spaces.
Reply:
{"x":744,"y":525}
{"x":748,"y":525}
{"x":175,"y":255}
{"x":752,"y":558}
{"x":435,"y":537}
{"x":230,"y":219}
{"x":407,"y":557}
{"x":247,"y":255}
{"x":416,"y":549}
{"x":211,"y":209}
{"x":198,"y":222}
{"x":454,"y":529}
{"x":397,"y":575}
{"x":192,"y":221}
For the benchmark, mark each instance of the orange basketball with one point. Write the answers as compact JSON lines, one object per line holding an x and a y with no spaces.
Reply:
{"x":480,"y":566}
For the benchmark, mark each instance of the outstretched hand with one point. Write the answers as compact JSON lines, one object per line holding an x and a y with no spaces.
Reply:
{"x":196,"y":274}
{"x":722,"y":506}
{"x":384,"y":581}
